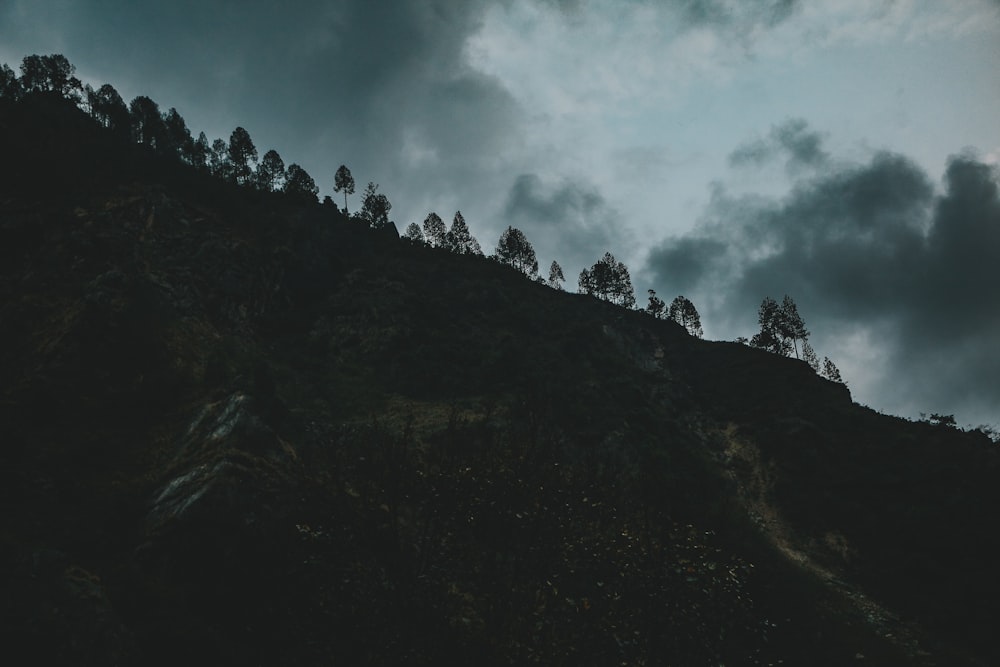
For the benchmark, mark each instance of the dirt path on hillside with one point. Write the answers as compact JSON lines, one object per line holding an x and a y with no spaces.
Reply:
{"x":755,"y":485}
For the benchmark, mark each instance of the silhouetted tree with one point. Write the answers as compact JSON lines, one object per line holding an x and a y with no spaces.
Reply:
{"x":200,"y":150}
{"x":515,"y":250}
{"x":147,"y":124}
{"x":460,"y":240}
{"x":769,"y":337}
{"x":685,"y":314}
{"x":177,"y":135}
{"x":809,"y":356}
{"x":300,"y":184}
{"x":375,"y":207}
{"x":781,"y":327}
{"x":831,"y":372}
{"x":10,"y":85}
{"x":942,"y":420}
{"x":271,"y":172}
{"x":792,"y":326}
{"x":242,"y":156}
{"x":656,"y":307}
{"x":52,"y":73}
{"x":108,"y":108}
{"x":218,"y":160}
{"x":435,"y":232}
{"x":344,"y":182}
{"x":413,"y":233}
{"x":34,"y":77}
{"x":556,"y":277}
{"x":608,"y":279}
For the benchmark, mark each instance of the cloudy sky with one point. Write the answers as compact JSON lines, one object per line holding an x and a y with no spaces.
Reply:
{"x":841,"y":151}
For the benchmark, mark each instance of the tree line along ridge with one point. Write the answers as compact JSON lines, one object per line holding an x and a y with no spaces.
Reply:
{"x":237,"y":161}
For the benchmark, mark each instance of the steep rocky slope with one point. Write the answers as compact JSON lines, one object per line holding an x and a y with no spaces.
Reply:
{"x":242,"y":430}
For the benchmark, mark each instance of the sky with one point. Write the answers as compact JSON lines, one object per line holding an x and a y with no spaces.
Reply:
{"x":844,"y":152}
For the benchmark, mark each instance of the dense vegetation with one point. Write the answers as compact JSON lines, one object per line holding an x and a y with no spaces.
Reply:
{"x":241,"y":427}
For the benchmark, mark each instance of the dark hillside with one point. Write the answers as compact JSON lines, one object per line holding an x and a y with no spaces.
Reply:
{"x":238,"y":429}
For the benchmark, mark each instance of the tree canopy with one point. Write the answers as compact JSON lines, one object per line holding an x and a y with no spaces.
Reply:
{"x":242,"y":156}
{"x":147,"y":125}
{"x":271,"y":172}
{"x":435,"y":231}
{"x":685,"y":314}
{"x":300,"y":184}
{"x":781,"y":327}
{"x":52,"y":73}
{"x":343,"y":181}
{"x":831,"y":372}
{"x":108,"y":108}
{"x":556,"y":277}
{"x":413,"y":233}
{"x":515,"y":250}
{"x":608,"y":279}
{"x":177,"y":136}
{"x":375,"y":207}
{"x":218,"y":160}
{"x":10,"y":85}
{"x":656,"y":306}
{"x":459,"y":239}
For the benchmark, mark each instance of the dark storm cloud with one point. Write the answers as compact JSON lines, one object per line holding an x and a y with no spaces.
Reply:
{"x":366,"y":83}
{"x":800,"y":146}
{"x":570,"y":220}
{"x":869,"y":246}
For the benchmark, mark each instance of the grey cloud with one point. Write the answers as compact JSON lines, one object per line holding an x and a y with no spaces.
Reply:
{"x":743,"y":14}
{"x":872,"y":248}
{"x":804,"y":147}
{"x":755,"y":152}
{"x":569,"y":220}
{"x":352,"y":82}
{"x":793,"y":139}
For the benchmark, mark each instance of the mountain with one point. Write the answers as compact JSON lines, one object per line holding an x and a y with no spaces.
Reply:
{"x":243,"y":429}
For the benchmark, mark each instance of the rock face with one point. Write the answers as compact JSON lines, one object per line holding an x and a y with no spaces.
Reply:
{"x":229,"y":461}
{"x":232,"y":486}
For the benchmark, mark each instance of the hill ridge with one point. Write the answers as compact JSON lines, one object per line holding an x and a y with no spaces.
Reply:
{"x":245,"y":428}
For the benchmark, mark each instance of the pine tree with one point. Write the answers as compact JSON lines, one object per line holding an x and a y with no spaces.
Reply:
{"x":791,"y":325}
{"x":146,"y":123}
{"x":300,"y":184}
{"x":343,"y":181}
{"x":435,"y":232}
{"x":781,"y":327}
{"x":608,"y":279}
{"x":656,"y":307}
{"x":271,"y":172}
{"x":831,"y":372}
{"x":685,"y":314}
{"x":460,"y":240}
{"x":242,"y":156}
{"x":413,"y":233}
{"x":809,"y":356}
{"x":515,"y":250}
{"x":10,"y":85}
{"x":556,"y":277}
{"x":375,"y":207}
{"x":218,"y":160}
